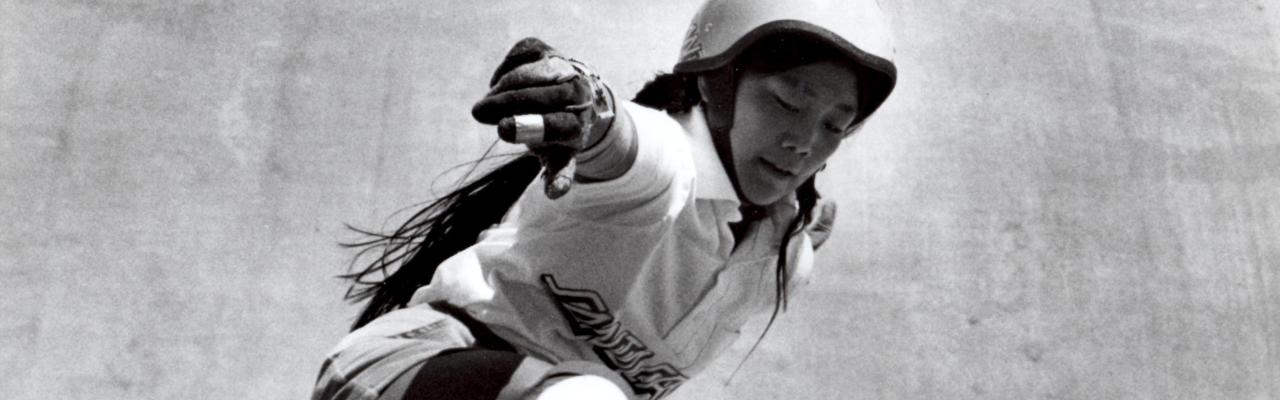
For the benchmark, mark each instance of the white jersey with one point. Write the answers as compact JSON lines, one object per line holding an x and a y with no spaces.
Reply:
{"x":638,"y":273}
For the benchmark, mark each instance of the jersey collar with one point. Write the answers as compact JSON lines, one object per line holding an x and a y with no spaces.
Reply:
{"x":712,"y":180}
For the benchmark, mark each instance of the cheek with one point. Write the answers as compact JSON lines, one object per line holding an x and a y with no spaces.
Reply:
{"x":824,"y":152}
{"x":750,"y":133}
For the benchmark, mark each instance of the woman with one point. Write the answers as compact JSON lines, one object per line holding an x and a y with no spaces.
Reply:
{"x":685,"y":216}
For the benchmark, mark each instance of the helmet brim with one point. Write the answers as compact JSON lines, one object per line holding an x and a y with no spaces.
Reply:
{"x":877,"y":76}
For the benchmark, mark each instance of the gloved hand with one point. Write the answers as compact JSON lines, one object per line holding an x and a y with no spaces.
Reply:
{"x":819,"y":229}
{"x":555,"y":105}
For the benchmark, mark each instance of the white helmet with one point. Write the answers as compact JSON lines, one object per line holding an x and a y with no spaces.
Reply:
{"x":722,"y":29}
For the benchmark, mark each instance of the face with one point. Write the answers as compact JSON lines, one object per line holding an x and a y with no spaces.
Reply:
{"x":786,"y":124}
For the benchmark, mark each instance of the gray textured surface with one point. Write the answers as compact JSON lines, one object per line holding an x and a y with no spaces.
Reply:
{"x":1068,"y":201}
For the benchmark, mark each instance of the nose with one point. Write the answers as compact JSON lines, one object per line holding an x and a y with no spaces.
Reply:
{"x":799,"y":141}
{"x":802,"y":151}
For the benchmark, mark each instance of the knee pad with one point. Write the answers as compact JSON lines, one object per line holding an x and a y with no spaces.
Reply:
{"x":569,"y":380}
{"x":582,"y":387}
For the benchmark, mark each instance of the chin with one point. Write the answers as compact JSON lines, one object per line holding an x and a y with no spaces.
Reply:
{"x":763,"y":197}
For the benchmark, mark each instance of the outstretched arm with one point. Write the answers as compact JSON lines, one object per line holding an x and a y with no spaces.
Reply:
{"x":561,"y":109}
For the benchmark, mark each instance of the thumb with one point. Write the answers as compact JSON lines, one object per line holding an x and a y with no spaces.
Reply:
{"x":820,"y":229}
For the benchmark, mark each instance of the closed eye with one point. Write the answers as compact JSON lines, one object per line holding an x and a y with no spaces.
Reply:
{"x":785,"y":105}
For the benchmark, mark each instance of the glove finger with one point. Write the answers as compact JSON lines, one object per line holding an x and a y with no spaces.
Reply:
{"x":554,"y":157}
{"x":545,"y":72}
{"x":533,"y":100}
{"x":561,"y":128}
{"x":525,"y":51}
{"x":559,"y":169}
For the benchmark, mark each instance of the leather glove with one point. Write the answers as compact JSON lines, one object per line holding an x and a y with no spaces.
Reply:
{"x":555,"y":105}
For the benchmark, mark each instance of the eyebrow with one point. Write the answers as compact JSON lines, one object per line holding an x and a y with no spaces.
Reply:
{"x":799,"y":84}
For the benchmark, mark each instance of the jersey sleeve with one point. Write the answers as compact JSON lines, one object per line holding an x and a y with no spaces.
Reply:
{"x":657,"y":185}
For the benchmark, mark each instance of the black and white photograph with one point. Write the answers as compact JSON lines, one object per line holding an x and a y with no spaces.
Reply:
{"x":622,"y":200}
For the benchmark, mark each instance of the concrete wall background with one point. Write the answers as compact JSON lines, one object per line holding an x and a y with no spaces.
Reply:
{"x":1063,"y":200}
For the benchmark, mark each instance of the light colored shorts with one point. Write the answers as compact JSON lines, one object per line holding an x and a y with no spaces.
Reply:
{"x":383,"y":359}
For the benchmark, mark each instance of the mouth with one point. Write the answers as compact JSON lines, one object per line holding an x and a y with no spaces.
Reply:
{"x":771,"y":167}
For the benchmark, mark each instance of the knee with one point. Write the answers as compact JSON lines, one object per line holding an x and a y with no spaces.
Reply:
{"x":568,"y":380}
{"x":582,"y":387}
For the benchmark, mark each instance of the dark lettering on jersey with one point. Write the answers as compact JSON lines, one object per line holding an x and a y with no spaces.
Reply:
{"x":589,"y":318}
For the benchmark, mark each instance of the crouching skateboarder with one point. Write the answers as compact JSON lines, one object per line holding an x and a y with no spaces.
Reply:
{"x":625,"y":250}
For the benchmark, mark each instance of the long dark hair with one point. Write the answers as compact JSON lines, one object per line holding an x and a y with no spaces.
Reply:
{"x":407,"y":258}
